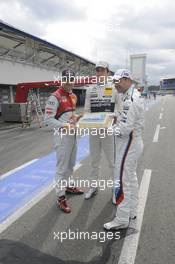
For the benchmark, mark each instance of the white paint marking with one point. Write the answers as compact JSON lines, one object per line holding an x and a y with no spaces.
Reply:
{"x":4,"y":132}
{"x":160,"y":116}
{"x":162,"y":109}
{"x":8,"y":129}
{"x":156,"y":135}
{"x":77,"y":166}
{"x":130,"y":245}
{"x":15,"y":216}
{"x":19,"y":136}
{"x":17,"y":169}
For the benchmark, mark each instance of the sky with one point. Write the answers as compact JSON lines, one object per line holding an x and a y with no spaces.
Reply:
{"x":108,"y":30}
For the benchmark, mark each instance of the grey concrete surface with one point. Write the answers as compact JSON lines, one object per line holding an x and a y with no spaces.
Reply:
{"x":31,"y":238}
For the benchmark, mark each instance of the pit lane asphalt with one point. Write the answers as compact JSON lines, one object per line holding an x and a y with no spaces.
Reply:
{"x":31,"y":238}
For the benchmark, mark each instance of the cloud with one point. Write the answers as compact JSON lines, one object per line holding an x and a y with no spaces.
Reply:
{"x":147,"y":28}
{"x":34,"y":16}
{"x":13,"y":13}
{"x":53,"y":10}
{"x":110,"y":30}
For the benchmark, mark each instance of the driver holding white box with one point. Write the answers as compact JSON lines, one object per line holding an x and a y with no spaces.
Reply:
{"x":101,"y":97}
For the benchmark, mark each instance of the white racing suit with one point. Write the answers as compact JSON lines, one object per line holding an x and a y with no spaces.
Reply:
{"x":102,"y":98}
{"x":129,"y":146}
{"x":59,"y":109}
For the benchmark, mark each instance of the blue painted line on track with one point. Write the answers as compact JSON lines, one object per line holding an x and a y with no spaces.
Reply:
{"x":21,"y":186}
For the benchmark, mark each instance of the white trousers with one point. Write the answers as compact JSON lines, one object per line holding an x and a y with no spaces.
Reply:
{"x":66,"y":148}
{"x":125,"y":194}
{"x":97,"y":145}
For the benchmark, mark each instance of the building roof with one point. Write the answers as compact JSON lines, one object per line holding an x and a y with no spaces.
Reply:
{"x":16,"y":44}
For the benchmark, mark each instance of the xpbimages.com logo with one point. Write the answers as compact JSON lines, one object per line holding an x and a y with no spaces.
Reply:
{"x":83,"y":79}
{"x":85,"y":235}
{"x":101,"y":132}
{"x":81,"y":183}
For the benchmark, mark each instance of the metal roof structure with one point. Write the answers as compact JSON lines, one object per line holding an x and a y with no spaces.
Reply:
{"x":170,"y":77}
{"x":17,"y":45}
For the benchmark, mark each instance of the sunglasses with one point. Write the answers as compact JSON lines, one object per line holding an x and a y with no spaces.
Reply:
{"x":116,"y":81}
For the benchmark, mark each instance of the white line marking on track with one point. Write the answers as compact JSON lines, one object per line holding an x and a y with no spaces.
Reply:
{"x":162,"y":109}
{"x":8,"y":129}
{"x":19,"y":136}
{"x":4,"y":132}
{"x":130,"y":245}
{"x":77,"y":166}
{"x":156,"y":135}
{"x":160,"y":116}
{"x":17,"y":169}
{"x":15,"y":216}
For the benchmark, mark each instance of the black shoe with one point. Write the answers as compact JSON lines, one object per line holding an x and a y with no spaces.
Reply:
{"x":133,"y":218}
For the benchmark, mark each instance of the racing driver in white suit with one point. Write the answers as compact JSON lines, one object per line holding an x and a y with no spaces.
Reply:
{"x":101,"y":97}
{"x":129,"y":146}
